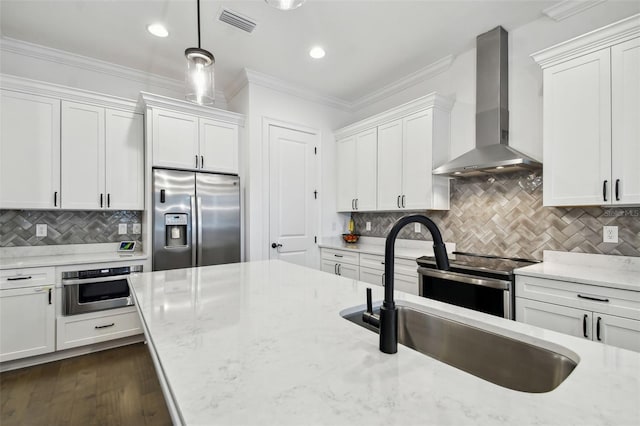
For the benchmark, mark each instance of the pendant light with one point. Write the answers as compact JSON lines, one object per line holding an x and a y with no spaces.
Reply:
{"x":285,"y":4}
{"x":199,"y":76}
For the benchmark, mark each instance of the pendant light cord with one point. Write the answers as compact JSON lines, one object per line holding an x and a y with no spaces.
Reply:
{"x":198,"y":24}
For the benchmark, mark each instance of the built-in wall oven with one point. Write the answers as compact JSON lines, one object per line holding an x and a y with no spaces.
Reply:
{"x":480,"y":282}
{"x":96,"y":289}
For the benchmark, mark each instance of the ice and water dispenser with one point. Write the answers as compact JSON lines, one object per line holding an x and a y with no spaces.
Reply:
{"x":175,"y":225}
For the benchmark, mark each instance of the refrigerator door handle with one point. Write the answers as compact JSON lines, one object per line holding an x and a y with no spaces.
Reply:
{"x":199,"y":219}
{"x":194,"y":225}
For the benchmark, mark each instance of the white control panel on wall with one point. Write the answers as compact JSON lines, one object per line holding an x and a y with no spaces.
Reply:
{"x":41,"y":230}
{"x":122,"y":228}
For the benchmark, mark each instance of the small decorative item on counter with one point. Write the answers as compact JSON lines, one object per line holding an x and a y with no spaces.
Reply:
{"x":350,"y":238}
{"x":352,"y":225}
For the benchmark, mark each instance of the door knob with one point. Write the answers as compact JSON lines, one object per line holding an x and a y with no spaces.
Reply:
{"x":274,"y":245}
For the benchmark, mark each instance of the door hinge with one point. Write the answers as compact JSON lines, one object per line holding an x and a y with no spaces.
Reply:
{"x":315,"y":194}
{"x":315,"y":150}
{"x":315,"y":239}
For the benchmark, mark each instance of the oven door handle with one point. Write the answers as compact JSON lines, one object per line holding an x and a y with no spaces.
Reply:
{"x":76,"y":281}
{"x":464,"y":278}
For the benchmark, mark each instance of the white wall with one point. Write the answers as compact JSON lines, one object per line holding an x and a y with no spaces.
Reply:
{"x":263,"y":103}
{"x":525,"y":79}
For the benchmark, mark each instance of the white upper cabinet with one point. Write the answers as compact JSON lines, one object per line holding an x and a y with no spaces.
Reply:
{"x":410,"y":141}
{"x":175,"y":140}
{"x":218,"y":146}
{"x":102,"y":158}
{"x":29,"y":151}
{"x":591,"y":118}
{"x":625,"y":147}
{"x":187,"y":136}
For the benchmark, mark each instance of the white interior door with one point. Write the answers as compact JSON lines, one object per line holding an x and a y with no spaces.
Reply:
{"x":293,"y":206}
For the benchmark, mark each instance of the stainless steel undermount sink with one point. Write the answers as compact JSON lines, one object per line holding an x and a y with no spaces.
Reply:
{"x":501,"y":360}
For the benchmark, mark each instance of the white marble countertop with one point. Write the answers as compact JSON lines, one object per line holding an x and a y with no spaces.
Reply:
{"x":405,"y":249}
{"x":621,"y":272}
{"x":72,"y":254}
{"x":263,"y":343}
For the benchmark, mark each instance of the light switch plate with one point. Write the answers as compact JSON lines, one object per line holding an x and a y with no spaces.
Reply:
{"x":136,"y":228}
{"x":609,"y":234}
{"x":122,"y":228}
{"x":41,"y":230}
{"x":416,"y":227}
{"x":368,"y":226}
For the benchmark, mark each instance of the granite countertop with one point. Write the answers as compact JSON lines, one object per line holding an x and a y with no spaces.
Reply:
{"x":72,"y":254}
{"x":264,"y":343}
{"x":621,"y":272}
{"x":405,"y":249}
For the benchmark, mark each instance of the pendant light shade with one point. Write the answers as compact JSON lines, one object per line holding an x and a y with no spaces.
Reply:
{"x":285,"y":4}
{"x":199,"y":75}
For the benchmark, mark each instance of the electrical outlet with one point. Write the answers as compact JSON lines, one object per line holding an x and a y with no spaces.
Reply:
{"x":41,"y":230}
{"x":416,"y":227}
{"x":368,"y":226}
{"x":122,"y":228}
{"x":136,"y":228}
{"x":609,"y":234}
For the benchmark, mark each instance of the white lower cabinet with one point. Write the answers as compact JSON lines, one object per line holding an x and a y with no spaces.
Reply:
{"x":343,"y":269}
{"x":27,"y":313}
{"x":601,"y":314}
{"x":372,"y":276}
{"x":80,"y":330}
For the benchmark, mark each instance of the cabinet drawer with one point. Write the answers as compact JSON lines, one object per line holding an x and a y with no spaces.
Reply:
{"x":406,"y":267}
{"x":76,"y":331}
{"x":372,"y":261}
{"x":371,"y":276}
{"x":622,"y":303}
{"x":26,"y":277}
{"x":341,"y":256}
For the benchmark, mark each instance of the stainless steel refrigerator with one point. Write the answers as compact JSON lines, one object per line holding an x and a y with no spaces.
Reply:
{"x":196,"y":219}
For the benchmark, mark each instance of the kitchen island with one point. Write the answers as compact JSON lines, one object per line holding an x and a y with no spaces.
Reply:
{"x":264,"y":343}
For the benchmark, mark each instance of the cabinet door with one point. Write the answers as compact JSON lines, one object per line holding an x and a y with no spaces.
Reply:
{"x":577,"y":131}
{"x":575,"y":322}
{"x":625,"y":113}
{"x":348,"y":271}
{"x":29,"y":151}
{"x":406,"y":283}
{"x":346,"y":181}
{"x":330,"y":267}
{"x":390,"y":165}
{"x":372,"y":276}
{"x":83,"y":174}
{"x":366,"y":169}
{"x":417,"y":179}
{"x":124,"y":160}
{"x":27,"y":322}
{"x":175,"y":140}
{"x":616,"y":331}
{"x":218,"y":146}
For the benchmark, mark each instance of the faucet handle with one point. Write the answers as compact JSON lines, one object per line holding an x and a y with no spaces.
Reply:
{"x":369,"y":301}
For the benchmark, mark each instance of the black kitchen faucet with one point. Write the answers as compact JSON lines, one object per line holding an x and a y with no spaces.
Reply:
{"x":388,"y":319}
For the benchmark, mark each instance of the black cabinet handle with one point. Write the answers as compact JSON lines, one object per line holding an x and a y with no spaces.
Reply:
{"x":339,"y":269}
{"x":101,"y":200}
{"x":598,"y":329}
{"x":617,"y":189}
{"x":104,"y":326}
{"x":49,"y":296}
{"x":593,"y":298}
{"x":584,"y":325}
{"x":335,"y":268}
{"x":403,"y":205}
{"x":108,"y":200}
{"x":55,"y":199}
{"x":398,"y":202}
{"x":604,"y":190}
{"x":202,"y":161}
{"x":19,"y":278}
{"x":196,"y":161}
{"x":162,"y":196}
{"x":356,"y":204}
{"x":338,"y":255}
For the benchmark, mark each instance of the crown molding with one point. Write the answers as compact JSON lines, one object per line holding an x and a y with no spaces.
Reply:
{"x":432,"y":100}
{"x":564,"y":9}
{"x":21,"y":84}
{"x":412,"y":79}
{"x":62,"y":57}
{"x":598,"y":39}
{"x":157,"y":101}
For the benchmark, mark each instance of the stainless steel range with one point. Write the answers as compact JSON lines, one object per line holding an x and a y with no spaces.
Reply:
{"x":480,"y":282}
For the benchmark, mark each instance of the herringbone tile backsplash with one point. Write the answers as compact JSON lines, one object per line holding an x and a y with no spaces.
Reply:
{"x":18,"y":227}
{"x":503,"y":215}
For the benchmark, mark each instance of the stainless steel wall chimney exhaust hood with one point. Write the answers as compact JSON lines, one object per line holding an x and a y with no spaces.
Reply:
{"x":492,"y":153}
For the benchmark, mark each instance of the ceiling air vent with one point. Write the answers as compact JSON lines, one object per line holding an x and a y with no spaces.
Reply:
{"x":234,"y":19}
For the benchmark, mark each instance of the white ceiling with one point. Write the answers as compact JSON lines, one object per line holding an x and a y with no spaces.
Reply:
{"x":369,"y":44}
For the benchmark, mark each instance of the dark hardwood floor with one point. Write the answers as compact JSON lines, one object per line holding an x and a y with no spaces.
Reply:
{"x":114,"y":387}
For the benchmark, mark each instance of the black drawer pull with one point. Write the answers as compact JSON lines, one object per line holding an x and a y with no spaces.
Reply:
{"x":19,"y":278}
{"x":104,"y":326}
{"x":338,"y":255}
{"x":598,"y":329}
{"x":617,"y":189}
{"x":593,"y":298}
{"x":604,"y":190}
{"x":584,"y":325}
{"x":49,"y":296}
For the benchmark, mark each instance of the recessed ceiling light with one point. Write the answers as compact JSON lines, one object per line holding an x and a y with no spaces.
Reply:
{"x":456,"y":173}
{"x":317,"y":52}
{"x":157,"y":30}
{"x":500,"y":167}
